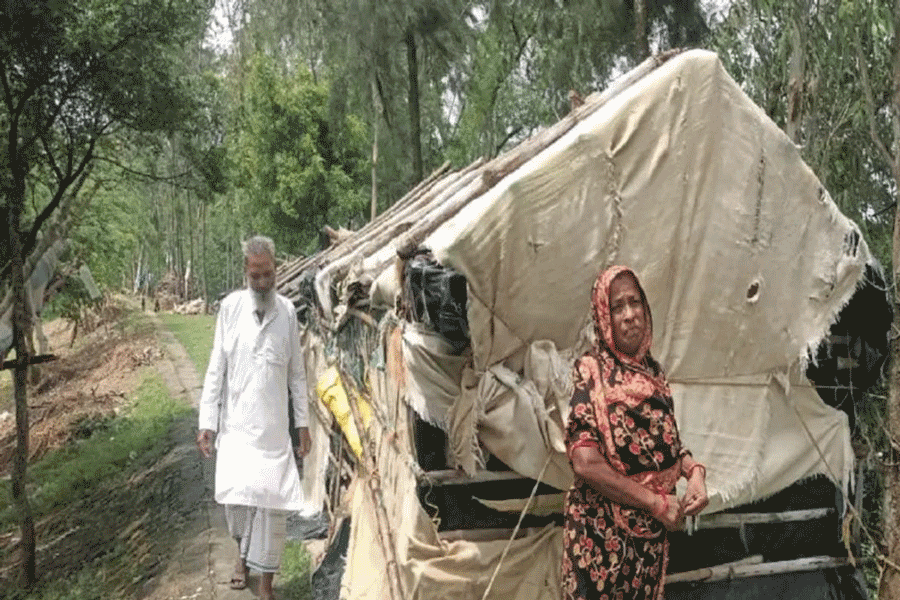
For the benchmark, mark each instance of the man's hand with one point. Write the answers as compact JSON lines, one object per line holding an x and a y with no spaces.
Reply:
{"x":206,"y":439}
{"x":305,"y":442}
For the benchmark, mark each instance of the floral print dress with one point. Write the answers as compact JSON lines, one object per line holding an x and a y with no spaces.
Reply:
{"x":621,"y":406}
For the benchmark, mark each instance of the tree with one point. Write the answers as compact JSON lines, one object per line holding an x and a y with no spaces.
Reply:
{"x":530,"y":54}
{"x":823,"y":71}
{"x":883,"y":111}
{"x":73,"y":75}
{"x":299,"y":169}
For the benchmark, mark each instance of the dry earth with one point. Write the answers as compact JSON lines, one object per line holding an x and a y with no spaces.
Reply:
{"x":164,"y":517}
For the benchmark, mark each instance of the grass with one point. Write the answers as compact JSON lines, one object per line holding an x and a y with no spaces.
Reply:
{"x":195,"y":332}
{"x":74,"y":474}
{"x":139,"y":432}
{"x":294,"y":575}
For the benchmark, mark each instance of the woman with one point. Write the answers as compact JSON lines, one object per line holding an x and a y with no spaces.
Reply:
{"x":625,"y":451}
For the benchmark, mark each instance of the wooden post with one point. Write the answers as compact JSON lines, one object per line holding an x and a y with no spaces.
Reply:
{"x":754,"y":568}
{"x":21,"y":331}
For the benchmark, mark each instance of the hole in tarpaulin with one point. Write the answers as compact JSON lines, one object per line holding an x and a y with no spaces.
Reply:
{"x":753,"y":292}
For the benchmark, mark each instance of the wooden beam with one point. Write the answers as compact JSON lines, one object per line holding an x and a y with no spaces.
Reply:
{"x":454,"y":477}
{"x":31,"y":360}
{"x":743,"y":571}
{"x":738,"y":520}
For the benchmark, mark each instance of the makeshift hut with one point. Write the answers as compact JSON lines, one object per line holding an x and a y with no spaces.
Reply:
{"x":441,"y":337}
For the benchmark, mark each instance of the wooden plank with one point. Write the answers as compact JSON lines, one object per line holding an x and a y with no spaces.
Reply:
{"x":31,"y":360}
{"x":737,"y":520}
{"x":454,"y":477}
{"x":743,"y":571}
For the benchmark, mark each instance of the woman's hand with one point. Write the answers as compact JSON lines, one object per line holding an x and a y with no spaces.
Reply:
{"x":695,"y":499}
{"x":668,"y":510}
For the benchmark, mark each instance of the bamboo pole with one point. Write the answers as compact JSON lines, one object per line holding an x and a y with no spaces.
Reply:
{"x":370,"y":472}
{"x":403,"y":224}
{"x":737,"y":520}
{"x":743,"y":571}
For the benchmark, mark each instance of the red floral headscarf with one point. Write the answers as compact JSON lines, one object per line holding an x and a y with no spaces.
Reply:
{"x":603,"y":319}
{"x":617,"y":379}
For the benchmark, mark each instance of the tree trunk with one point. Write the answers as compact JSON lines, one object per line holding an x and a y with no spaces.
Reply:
{"x":376,"y":103}
{"x":188,"y":274}
{"x":415,"y":133}
{"x":230,"y":259}
{"x":203,"y":251}
{"x":21,"y":331}
{"x":641,"y":44}
{"x":889,"y":585}
{"x":796,"y":74}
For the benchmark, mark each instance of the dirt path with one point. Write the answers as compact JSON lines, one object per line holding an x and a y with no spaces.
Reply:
{"x":201,"y":562}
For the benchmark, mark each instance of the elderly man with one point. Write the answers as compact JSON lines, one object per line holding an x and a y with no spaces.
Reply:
{"x":255,"y":360}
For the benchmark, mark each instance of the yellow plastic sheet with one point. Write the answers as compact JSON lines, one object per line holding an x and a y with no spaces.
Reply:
{"x":331,"y":392}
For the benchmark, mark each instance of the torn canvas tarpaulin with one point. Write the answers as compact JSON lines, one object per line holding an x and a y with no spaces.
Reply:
{"x":745,"y":261}
{"x":740,"y":250}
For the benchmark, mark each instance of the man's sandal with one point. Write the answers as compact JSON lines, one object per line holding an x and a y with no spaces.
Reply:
{"x":238,"y":580}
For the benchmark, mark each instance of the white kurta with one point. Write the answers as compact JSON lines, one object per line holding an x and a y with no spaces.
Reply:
{"x":245,"y":399}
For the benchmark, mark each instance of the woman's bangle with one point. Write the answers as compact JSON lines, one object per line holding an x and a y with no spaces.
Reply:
{"x":665,"y":506}
{"x":690,"y":471}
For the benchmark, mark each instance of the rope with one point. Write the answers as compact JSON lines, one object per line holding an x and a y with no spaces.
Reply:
{"x":516,"y":530}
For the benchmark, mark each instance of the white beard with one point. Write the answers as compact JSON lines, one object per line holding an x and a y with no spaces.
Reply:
{"x":263,"y":301}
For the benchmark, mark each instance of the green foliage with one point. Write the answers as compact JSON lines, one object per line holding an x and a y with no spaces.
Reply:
{"x":73,"y":298}
{"x":294,"y":576}
{"x":79,"y":79}
{"x":299,"y":170}
{"x":195,"y":333}
{"x":530,"y":54}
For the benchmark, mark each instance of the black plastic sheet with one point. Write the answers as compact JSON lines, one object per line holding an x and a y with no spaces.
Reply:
{"x":436,"y":296}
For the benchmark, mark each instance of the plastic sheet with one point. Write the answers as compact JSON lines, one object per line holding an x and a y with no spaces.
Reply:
{"x":436,"y":296}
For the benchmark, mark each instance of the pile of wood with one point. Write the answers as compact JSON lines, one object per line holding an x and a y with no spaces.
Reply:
{"x":197,"y":306}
